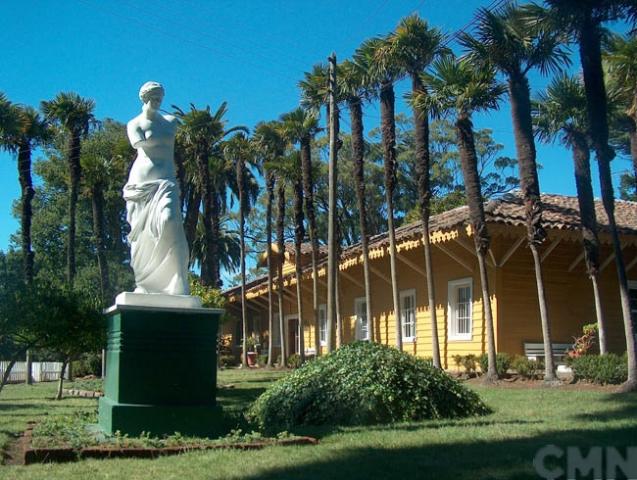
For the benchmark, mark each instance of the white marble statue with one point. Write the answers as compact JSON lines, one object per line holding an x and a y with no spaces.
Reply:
{"x":159,"y":251}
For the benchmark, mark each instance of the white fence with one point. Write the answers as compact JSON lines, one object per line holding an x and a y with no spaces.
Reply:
{"x":40,"y":371}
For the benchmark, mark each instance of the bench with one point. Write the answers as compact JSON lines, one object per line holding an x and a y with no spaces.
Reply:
{"x":535,"y":350}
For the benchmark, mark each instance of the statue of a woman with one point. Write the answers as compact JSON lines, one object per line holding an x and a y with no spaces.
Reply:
{"x":159,"y":251}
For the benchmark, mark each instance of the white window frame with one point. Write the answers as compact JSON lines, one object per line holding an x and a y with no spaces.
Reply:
{"x":323,"y":325}
{"x":451,"y":309}
{"x":360,"y":307}
{"x":402,"y":295}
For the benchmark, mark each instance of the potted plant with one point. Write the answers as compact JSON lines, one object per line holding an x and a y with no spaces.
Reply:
{"x":252,"y":353}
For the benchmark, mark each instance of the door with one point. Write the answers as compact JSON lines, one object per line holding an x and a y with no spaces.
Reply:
{"x":293,"y":335}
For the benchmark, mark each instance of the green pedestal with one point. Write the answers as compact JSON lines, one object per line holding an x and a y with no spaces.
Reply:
{"x":161,"y":372}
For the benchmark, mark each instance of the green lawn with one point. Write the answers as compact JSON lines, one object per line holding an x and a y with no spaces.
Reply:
{"x":501,"y":445}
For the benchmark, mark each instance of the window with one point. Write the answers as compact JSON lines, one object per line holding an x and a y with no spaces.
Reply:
{"x":323,"y":324}
{"x":408,"y":314}
{"x":361,"y":326}
{"x":632,"y":293}
{"x":459,"y":309}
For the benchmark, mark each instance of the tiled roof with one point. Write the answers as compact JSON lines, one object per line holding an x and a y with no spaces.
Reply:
{"x":560,"y":212}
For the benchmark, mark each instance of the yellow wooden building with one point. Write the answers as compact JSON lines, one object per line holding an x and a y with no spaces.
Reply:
{"x":457,"y":283}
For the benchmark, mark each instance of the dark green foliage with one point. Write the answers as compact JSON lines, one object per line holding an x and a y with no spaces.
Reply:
{"x":294,"y":361}
{"x":228,"y":361}
{"x":89,"y":363}
{"x":527,"y":368}
{"x":602,"y":369}
{"x":363,"y":383}
{"x":502,"y":363}
{"x":262,"y":360}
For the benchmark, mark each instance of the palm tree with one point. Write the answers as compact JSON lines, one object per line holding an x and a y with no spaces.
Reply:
{"x":583,"y":20}
{"x":22,"y":133}
{"x":351,"y":84}
{"x":239,"y":152}
{"x":74,"y":115}
{"x":622,"y":62}
{"x":300,"y":126}
{"x":513,"y":46}
{"x":201,"y":131}
{"x":458,"y":86}
{"x":280,"y":242}
{"x":561,"y":112}
{"x":271,"y":146}
{"x":381,"y":76}
{"x":415,"y":45}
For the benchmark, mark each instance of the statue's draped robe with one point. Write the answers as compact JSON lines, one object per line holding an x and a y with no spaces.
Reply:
{"x":159,"y":251}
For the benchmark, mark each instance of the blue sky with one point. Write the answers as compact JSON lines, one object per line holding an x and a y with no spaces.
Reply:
{"x":248,"y":53}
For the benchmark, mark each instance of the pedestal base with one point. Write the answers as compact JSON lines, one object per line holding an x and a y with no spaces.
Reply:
{"x":161,"y":371}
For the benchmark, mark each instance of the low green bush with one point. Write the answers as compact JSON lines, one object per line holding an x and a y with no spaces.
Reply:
{"x":527,"y":368}
{"x":228,"y":361}
{"x":502,"y":363}
{"x":470,"y":364}
{"x":603,"y":369}
{"x":262,"y":360}
{"x":294,"y":361}
{"x":88,"y":364}
{"x":363,"y":383}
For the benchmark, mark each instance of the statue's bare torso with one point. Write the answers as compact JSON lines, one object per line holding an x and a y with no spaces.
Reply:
{"x":155,"y":143}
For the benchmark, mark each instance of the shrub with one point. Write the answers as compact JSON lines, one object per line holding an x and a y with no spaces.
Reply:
{"x":88,"y":364}
{"x":228,"y":361}
{"x":470,"y":363}
{"x":602,"y":369}
{"x":363,"y":383}
{"x":529,"y":369}
{"x":502,"y":363}
{"x":262,"y":360}
{"x":294,"y":361}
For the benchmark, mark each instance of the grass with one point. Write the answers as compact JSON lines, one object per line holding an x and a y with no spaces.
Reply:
{"x":501,"y":445}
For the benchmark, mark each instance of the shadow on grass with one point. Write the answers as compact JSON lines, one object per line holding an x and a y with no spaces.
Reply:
{"x":509,"y":459}
{"x":238,"y":396}
{"x":628,"y":408}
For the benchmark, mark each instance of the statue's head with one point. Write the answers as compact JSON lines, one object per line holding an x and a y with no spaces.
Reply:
{"x":151,"y":94}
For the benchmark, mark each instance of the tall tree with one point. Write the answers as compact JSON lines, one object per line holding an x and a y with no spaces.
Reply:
{"x":621,"y":59}
{"x":300,"y":126}
{"x":74,"y":115}
{"x":560,"y":112}
{"x":270,"y":146}
{"x":21,"y":134}
{"x":351,"y":84}
{"x":505,"y":39}
{"x":460,"y":87}
{"x":201,"y":131}
{"x":239,"y":152}
{"x":414,"y":45}
{"x":381,"y":75}
{"x":584,"y":20}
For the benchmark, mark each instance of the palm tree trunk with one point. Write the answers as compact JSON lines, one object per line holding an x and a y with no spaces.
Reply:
{"x":423,"y":166}
{"x":591,"y":58}
{"x":358,"y":157}
{"x":308,"y":188}
{"x":280,"y":226}
{"x":481,"y":239}
{"x":193,"y":202}
{"x":520,"y":97}
{"x":590,"y":240}
{"x":208,"y":194}
{"x":388,"y":128}
{"x":215,"y":272}
{"x":242,"y":241}
{"x":99,"y":230}
{"x":269,"y":182}
{"x":75,"y":174}
{"x":26,"y":210}
{"x":632,"y":135}
{"x":299,"y":233}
